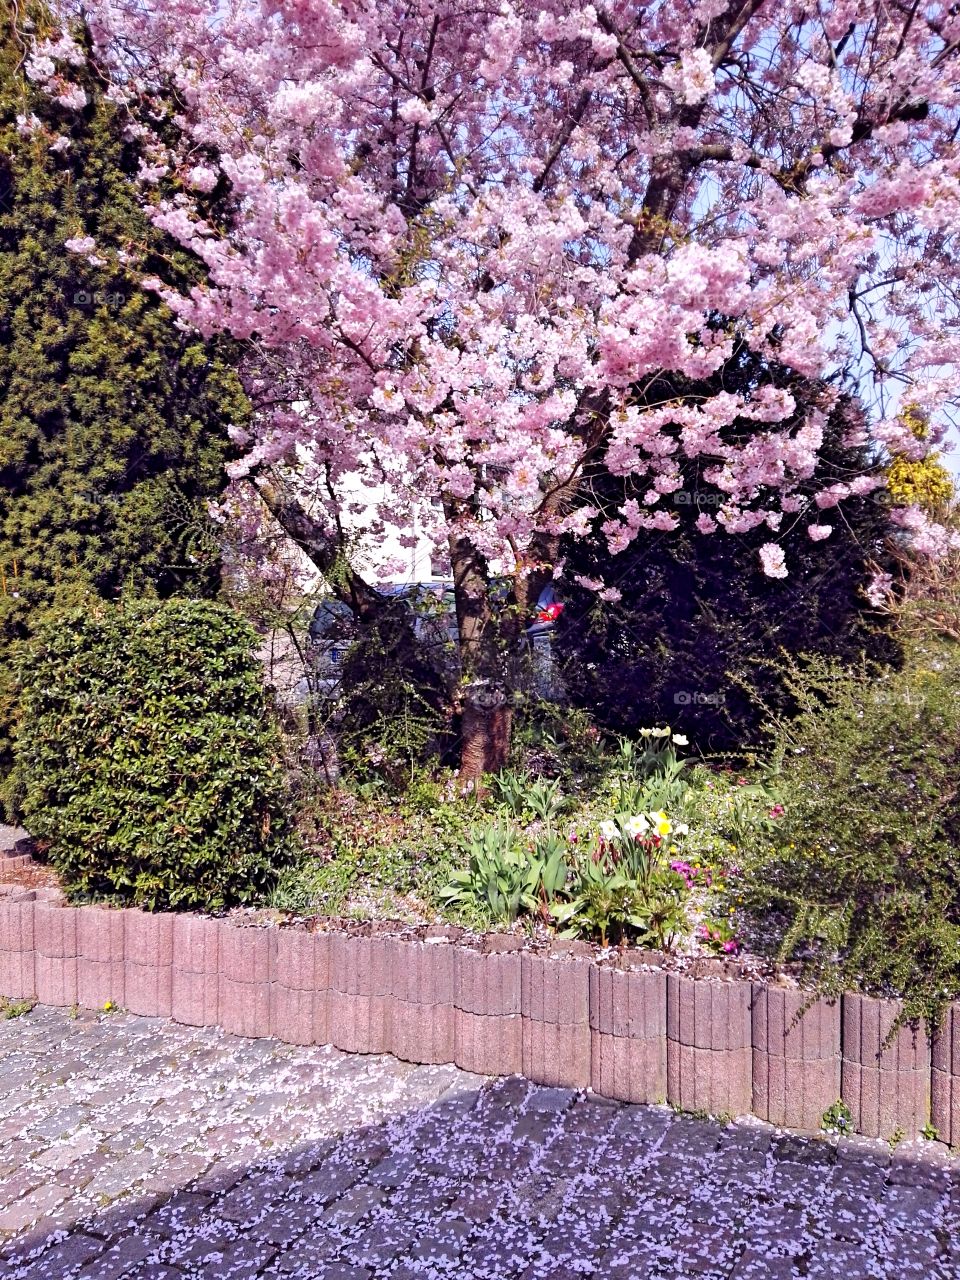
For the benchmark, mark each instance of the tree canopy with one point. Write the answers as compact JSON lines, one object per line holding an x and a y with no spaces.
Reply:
{"x":465,"y":236}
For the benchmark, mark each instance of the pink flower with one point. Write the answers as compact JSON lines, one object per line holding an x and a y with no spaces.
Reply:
{"x":773,"y":560}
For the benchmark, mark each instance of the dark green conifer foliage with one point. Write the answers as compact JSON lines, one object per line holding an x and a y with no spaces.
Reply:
{"x":112,"y":420}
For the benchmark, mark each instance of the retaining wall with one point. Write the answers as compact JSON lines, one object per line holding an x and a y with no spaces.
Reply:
{"x":704,"y":1041}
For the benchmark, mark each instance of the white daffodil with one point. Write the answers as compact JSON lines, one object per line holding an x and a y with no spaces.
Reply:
{"x":680,"y":740}
{"x":637,"y":825}
{"x":681,"y":829}
{"x":609,"y":830}
{"x":662,"y":823}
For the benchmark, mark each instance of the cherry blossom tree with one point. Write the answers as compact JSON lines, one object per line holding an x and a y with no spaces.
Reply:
{"x":467,"y":236}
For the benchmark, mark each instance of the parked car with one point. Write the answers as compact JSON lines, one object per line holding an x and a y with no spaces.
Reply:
{"x":332,"y":628}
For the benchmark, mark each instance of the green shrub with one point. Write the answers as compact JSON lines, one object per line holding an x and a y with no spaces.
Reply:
{"x":146,"y":760}
{"x":863,"y":880}
{"x":368,"y":852}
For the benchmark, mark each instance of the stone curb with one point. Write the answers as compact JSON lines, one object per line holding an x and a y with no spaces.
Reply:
{"x":713,"y":1043}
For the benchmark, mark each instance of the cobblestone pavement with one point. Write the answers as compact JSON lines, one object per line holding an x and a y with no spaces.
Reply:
{"x":135,"y":1147}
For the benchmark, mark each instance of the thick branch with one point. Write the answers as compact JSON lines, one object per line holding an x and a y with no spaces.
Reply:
{"x":323,"y":547}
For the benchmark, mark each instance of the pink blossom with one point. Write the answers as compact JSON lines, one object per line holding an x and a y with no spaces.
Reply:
{"x":202,"y":178}
{"x":773,"y":560}
{"x":438,"y":245}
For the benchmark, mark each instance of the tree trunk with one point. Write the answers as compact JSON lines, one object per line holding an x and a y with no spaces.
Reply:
{"x":487,"y":721}
{"x":484,"y":693}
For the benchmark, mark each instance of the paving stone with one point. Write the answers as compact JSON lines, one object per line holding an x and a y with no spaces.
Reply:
{"x":64,"y":1259}
{"x":134,"y":1149}
{"x":908,"y":1206}
{"x":31,"y":1208}
{"x":120,"y":1259}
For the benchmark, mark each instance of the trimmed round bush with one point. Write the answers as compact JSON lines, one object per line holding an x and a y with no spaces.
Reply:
{"x":148,"y":763}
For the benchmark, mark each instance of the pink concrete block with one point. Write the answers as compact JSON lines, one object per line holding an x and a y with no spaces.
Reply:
{"x":556,"y":1054}
{"x":423,"y":973}
{"x":301,"y":960}
{"x":631,"y":1070}
{"x":246,"y":952}
{"x":17,"y":921}
{"x":148,"y":937}
{"x":361,"y":966}
{"x":945,"y":1106}
{"x":708,"y":1014}
{"x":195,"y":998}
{"x":99,"y":982}
{"x":359,"y":1023}
{"x":196,"y":944}
{"x":422,"y":1032}
{"x":297,"y":1016}
{"x":488,"y":1046}
{"x":796,"y":1056}
{"x":555,"y":989}
{"x":18,"y":977}
{"x":148,"y":989}
{"x":945,"y":1078}
{"x":55,"y":930}
{"x":792,"y":1093}
{"x":100,"y":934}
{"x":487,"y":984}
{"x":56,"y":979}
{"x":886,"y":1088}
{"x":629,"y":1003}
{"x":716,"y":1081}
{"x":790,"y":1024}
{"x":245,"y":1007}
{"x":945,"y":1048}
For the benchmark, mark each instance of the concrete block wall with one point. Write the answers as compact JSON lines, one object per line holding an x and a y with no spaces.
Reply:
{"x":707,"y":1040}
{"x":886,"y":1086}
{"x":796,"y":1056}
{"x":945,"y":1079}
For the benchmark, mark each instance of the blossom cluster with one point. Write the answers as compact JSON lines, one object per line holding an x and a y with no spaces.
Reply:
{"x":470,"y":251}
